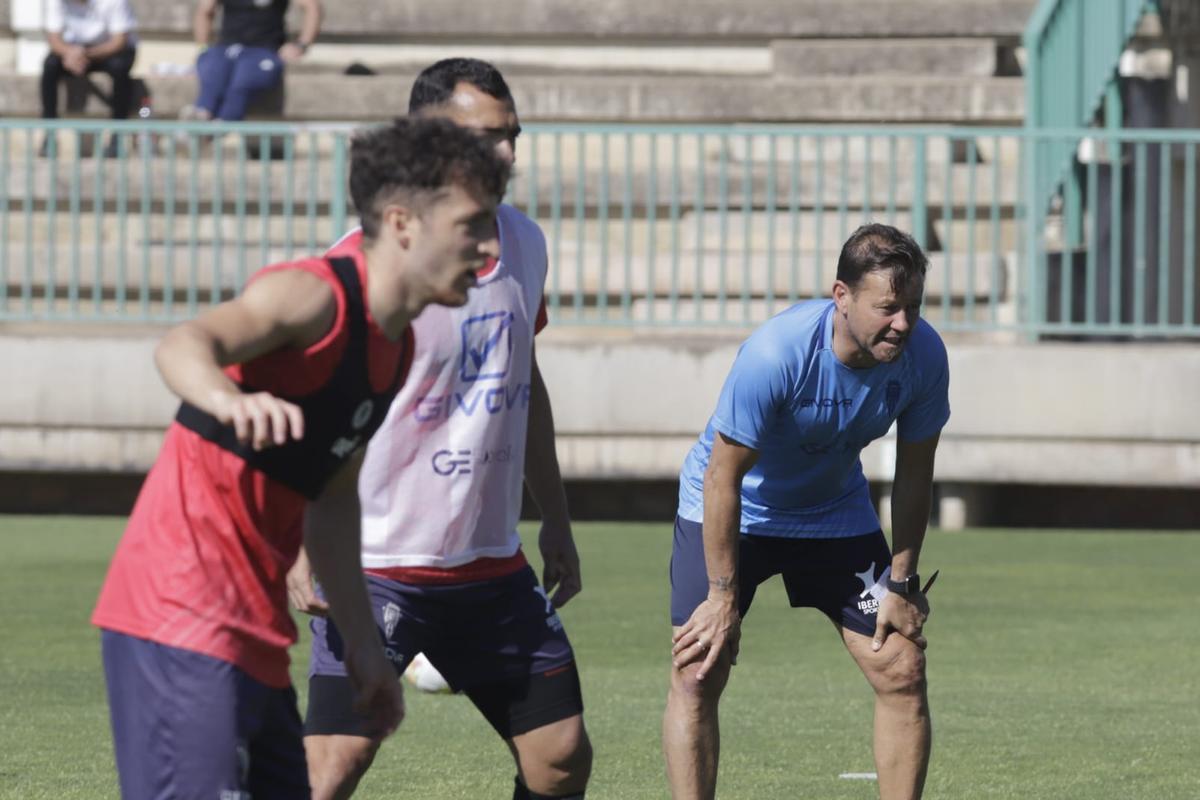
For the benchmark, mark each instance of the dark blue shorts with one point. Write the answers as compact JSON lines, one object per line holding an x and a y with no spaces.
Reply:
{"x":499,"y":641}
{"x":844,"y":578}
{"x":187,"y":725}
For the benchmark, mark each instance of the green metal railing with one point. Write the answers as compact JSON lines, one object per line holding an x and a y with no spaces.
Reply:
{"x":684,"y":226}
{"x":1072,"y":50}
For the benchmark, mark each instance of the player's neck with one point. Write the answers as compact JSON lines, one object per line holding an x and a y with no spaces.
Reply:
{"x":392,"y":301}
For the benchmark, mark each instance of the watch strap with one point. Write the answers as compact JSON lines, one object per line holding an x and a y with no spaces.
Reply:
{"x":910,"y":585}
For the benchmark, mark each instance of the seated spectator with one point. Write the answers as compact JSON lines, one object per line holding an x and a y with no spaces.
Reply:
{"x":89,"y":36}
{"x":250,"y":53}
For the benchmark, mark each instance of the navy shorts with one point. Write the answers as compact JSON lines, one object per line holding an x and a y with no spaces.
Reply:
{"x":844,"y":578}
{"x":187,"y":725}
{"x":498,"y":641}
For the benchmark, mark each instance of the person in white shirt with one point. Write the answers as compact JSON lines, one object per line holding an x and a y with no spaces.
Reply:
{"x":440,"y":491}
{"x":90,"y":36}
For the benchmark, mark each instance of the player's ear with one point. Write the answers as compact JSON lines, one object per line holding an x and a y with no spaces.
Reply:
{"x":841,"y":296}
{"x":400,"y":222}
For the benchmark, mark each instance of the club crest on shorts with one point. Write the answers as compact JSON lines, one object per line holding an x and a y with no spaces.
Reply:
{"x":243,"y":756}
{"x":391,"y":618}
{"x":552,"y":619}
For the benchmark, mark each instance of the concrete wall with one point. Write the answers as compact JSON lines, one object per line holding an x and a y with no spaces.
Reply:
{"x":629,"y":404}
{"x":592,"y":20}
{"x":596,"y":19}
{"x":620,"y":98}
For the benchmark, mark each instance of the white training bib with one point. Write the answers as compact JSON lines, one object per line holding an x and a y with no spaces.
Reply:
{"x":441,"y":482}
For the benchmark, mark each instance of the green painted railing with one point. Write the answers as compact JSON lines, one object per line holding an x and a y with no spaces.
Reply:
{"x":1072,"y":50}
{"x":665,"y":226}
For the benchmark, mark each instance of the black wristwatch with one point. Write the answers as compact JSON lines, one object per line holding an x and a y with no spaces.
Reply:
{"x":910,"y":585}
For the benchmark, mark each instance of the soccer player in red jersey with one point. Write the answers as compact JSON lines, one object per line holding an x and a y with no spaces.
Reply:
{"x":281,"y":388}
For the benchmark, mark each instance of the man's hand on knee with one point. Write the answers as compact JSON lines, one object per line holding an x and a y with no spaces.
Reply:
{"x":714,"y":625}
{"x":902,"y":614}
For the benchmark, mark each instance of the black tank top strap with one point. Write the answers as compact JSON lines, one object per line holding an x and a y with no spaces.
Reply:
{"x":339,"y":416}
{"x":346,"y":271}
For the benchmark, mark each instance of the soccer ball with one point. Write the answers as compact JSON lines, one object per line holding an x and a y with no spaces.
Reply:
{"x":425,"y":677}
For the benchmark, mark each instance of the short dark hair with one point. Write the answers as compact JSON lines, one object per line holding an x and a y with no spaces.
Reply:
{"x":435,"y":85}
{"x":417,"y":156}
{"x":876,"y":247}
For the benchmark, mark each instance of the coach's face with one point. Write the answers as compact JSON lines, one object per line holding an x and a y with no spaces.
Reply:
{"x":879,"y":316}
{"x":493,"y":119}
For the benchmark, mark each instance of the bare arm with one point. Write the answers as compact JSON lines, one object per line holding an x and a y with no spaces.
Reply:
{"x":202,"y":22}
{"x":728,"y":465}
{"x":310,"y":25}
{"x":58,"y":45}
{"x":333,"y":541}
{"x":286,"y":309}
{"x":911,"y":491}
{"x":300,"y":588}
{"x":556,"y":542}
{"x":716,"y":621}
{"x":110,"y":47}
{"x":74,"y":57}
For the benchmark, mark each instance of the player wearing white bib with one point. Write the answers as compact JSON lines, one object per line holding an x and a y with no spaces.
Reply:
{"x":441,"y":497}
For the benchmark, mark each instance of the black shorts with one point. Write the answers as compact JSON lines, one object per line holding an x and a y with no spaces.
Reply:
{"x":497,"y":641}
{"x":511,"y":707}
{"x":844,"y":578}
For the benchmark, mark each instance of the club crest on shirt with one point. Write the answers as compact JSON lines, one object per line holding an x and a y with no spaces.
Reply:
{"x":362,"y":415}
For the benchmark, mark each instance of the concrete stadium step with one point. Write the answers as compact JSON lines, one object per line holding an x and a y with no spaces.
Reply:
{"x":110,"y":271}
{"x":592,"y":20}
{"x":761,"y":231}
{"x":980,"y":235}
{"x":829,"y":186}
{"x":757,"y":275}
{"x":806,"y":232}
{"x":768,"y":144}
{"x":163,"y":179}
{"x":511,"y":57}
{"x":104,"y":272}
{"x":631,"y":98}
{"x":739,"y":230}
{"x":737,"y":312}
{"x":829,"y":183}
{"x":803,"y":58}
{"x":55,"y":233}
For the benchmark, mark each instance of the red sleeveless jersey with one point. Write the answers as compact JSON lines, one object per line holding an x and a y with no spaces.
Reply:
{"x":203,"y":560}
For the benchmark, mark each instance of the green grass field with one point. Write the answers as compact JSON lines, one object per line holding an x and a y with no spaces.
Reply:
{"x":1062,"y":665}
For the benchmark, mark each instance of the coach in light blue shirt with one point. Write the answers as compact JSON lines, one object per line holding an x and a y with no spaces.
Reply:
{"x":775,"y":486}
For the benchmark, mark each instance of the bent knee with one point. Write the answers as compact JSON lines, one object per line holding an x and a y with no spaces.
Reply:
{"x":688,"y":688}
{"x":335,"y":760}
{"x":572,"y":758}
{"x":903,"y":672}
{"x":556,"y":759}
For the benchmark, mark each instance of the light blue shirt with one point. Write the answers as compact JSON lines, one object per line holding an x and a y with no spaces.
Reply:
{"x":809,"y":416}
